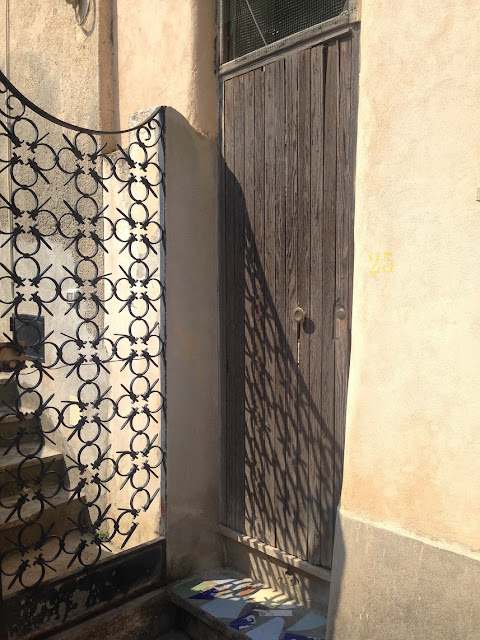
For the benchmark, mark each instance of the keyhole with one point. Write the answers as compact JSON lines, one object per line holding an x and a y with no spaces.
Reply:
{"x":298,"y":344}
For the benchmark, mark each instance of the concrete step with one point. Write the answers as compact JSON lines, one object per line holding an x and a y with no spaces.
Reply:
{"x":56,"y":519}
{"x":33,"y":500}
{"x":175,"y":635}
{"x":29,"y":504}
{"x":14,"y":427}
{"x":226,"y":605}
{"x":27,"y":467}
{"x":147,"y":617}
{"x":8,"y":393}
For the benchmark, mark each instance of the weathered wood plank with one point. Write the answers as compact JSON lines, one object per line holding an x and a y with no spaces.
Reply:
{"x":222,"y":171}
{"x":304,"y":274}
{"x":316,"y":447}
{"x":289,"y":132}
{"x":259,"y":323}
{"x":278,"y":240}
{"x":250,"y":395}
{"x":328,"y":284}
{"x":343,"y":250}
{"x":229,"y":262}
{"x":291,"y":193}
{"x":239,"y":115}
{"x":277,"y":554}
{"x":270,"y":314}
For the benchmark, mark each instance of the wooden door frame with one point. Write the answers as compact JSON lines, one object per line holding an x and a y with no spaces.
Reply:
{"x":347,"y":23}
{"x":313,"y":35}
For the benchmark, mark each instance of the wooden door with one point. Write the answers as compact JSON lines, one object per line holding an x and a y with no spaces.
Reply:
{"x":288,"y":149}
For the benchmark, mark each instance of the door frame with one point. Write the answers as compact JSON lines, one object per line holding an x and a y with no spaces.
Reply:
{"x":346,"y":23}
{"x":313,"y":35}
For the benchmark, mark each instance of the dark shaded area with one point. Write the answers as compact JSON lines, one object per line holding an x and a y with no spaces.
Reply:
{"x":67,"y":600}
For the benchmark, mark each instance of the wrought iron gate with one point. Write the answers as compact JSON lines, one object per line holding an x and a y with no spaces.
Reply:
{"x":82,"y":380}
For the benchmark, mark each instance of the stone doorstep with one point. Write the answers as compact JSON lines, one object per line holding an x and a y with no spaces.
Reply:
{"x":237,"y":608}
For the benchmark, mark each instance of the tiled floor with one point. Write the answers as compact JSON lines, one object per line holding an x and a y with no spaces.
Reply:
{"x":256,"y":611}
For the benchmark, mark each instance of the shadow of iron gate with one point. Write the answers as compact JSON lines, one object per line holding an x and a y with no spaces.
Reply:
{"x":82,"y":365}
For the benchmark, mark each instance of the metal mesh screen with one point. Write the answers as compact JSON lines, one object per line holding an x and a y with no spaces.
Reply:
{"x":252,"y":24}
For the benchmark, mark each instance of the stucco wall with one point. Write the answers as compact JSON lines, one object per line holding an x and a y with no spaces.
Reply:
{"x":407,"y":538}
{"x":165,"y":52}
{"x":64,"y":68}
{"x":412,"y":447}
{"x":193,"y":429}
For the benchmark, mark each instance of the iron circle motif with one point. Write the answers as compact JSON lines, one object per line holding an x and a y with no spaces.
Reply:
{"x":81,"y":238}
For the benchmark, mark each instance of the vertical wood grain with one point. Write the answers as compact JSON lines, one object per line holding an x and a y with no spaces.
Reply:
{"x":328,"y":304}
{"x":239,"y":301}
{"x":270,"y":333}
{"x":278,"y":240}
{"x":259,"y":248}
{"x":344,"y":248}
{"x":303,"y":288}
{"x":251,"y":419}
{"x":229,"y":261}
{"x":316,"y":447}
{"x":291,"y":213}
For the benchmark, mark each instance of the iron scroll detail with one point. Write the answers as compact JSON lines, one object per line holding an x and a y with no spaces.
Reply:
{"x":82,"y":362}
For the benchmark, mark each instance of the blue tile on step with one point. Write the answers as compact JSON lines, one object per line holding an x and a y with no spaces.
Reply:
{"x":244,"y":622}
{"x":311,"y":621}
{"x":225,"y":607}
{"x":271,"y":630}
{"x":209,"y":594}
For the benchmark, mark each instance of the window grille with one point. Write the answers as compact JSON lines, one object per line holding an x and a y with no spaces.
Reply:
{"x":251,"y":24}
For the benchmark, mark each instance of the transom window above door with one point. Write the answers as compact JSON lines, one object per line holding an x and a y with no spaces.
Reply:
{"x":248,"y":25}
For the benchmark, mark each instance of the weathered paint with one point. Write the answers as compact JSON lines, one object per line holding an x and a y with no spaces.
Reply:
{"x":164,"y":53}
{"x":412,"y":446}
{"x":412,"y":427}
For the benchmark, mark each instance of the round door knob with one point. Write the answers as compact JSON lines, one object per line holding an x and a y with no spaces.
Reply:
{"x":298,"y":315}
{"x":341,"y":313}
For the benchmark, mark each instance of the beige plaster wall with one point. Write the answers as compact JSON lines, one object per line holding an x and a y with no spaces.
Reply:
{"x":164,"y":53}
{"x":193,"y":422}
{"x":66,"y":69}
{"x":412,"y":447}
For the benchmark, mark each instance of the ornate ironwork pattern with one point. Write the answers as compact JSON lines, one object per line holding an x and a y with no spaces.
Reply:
{"x":82,"y":317}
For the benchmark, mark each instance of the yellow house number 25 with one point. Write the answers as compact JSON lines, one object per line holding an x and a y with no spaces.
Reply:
{"x":379,"y":264}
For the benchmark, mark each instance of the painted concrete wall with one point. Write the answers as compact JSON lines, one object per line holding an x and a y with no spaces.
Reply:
{"x":412,"y":437}
{"x":165,"y":53}
{"x":412,"y":445}
{"x":64,"y":68}
{"x":193,"y":423}
{"x":52,"y":60}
